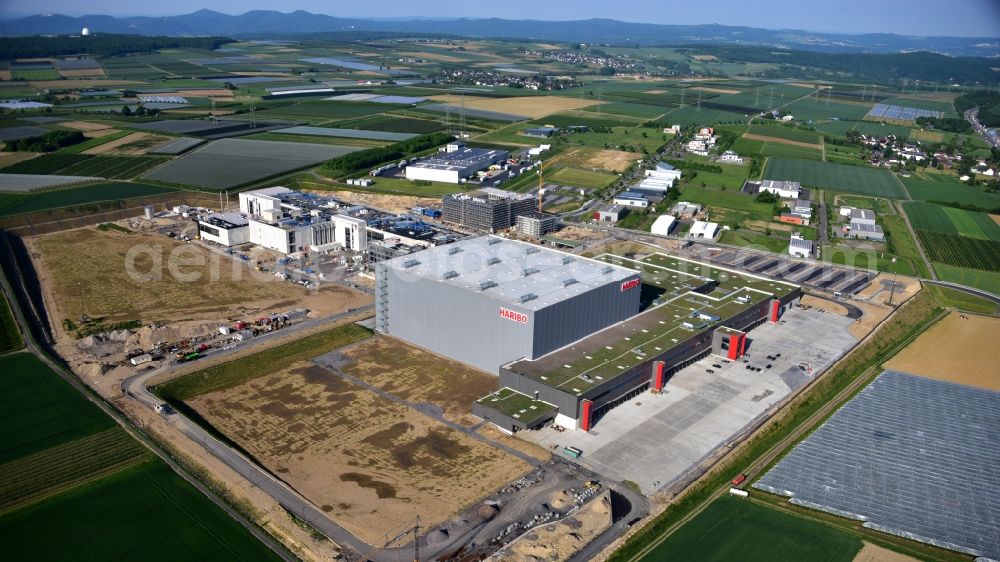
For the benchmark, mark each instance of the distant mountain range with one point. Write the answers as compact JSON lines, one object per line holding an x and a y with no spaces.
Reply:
{"x":271,"y":24}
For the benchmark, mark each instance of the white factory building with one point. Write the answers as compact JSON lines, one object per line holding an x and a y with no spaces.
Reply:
{"x":454,"y":163}
{"x":702,"y":229}
{"x":227,"y":229}
{"x":799,"y":246}
{"x":783,"y":189}
{"x":284,"y":227}
{"x":663,"y":225}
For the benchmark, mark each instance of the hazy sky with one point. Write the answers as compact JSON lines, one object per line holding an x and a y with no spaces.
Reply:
{"x":907,"y":17}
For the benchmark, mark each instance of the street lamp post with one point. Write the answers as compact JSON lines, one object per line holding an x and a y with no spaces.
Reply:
{"x":892,"y":288}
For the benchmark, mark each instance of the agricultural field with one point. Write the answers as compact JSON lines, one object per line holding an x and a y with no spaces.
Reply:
{"x":591,"y":158}
{"x":533,"y":107}
{"x":945,"y":188}
{"x":955,"y":349}
{"x":986,"y":280}
{"x":229,"y":163}
{"x":780,"y":132}
{"x":126,"y":276}
{"x":20,"y":203}
{"x":10,"y":337}
{"x":370,"y":463}
{"x":728,"y":207}
{"x":112,"y":167}
{"x":621,"y":138}
{"x":961,"y":251}
{"x":926,"y":136}
{"x":418,"y":376}
{"x":822,"y":109}
{"x":146,"y":508}
{"x":739,"y":529}
{"x":784,"y":150}
{"x":629,"y":109}
{"x":393,"y":124}
{"x":840,"y":128}
{"x":862,"y":259}
{"x":949,"y":220}
{"x":750,"y":239}
{"x":35,"y":74}
{"x":40,"y":410}
{"x":27,"y":183}
{"x":577,"y":177}
{"x":836,"y":177}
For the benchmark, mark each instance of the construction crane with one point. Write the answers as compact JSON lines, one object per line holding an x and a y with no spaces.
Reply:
{"x":414,"y":530}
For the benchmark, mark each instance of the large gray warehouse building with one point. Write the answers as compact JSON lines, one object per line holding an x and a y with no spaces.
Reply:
{"x":487,"y":301}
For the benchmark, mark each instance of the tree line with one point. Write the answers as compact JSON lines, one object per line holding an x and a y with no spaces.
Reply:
{"x":357,"y":161}
{"x":102,"y":45}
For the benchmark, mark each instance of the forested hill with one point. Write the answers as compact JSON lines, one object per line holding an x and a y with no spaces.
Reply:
{"x":103,"y":45}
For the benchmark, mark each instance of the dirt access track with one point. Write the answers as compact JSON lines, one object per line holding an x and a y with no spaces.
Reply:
{"x":959,"y":348}
{"x":765,"y":138}
{"x":534,"y":107}
{"x":370,"y":463}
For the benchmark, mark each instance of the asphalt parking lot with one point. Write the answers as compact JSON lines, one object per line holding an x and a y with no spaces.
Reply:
{"x":655,"y":440}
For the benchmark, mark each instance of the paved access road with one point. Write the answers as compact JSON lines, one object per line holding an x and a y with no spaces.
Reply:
{"x":972,"y":116}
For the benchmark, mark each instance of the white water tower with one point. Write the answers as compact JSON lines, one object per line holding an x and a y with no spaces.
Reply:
{"x":85,"y":31}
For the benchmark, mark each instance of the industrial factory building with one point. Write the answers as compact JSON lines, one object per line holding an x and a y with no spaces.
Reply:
{"x":487,"y":301}
{"x":709,"y":310}
{"x":488,"y":209}
{"x":283,"y":220}
{"x":227,"y":229}
{"x":454,"y":163}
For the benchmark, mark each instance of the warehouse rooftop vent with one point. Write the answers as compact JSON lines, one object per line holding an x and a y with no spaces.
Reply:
{"x":493,"y":261}
{"x":454,"y":250}
{"x":449,"y":274}
{"x":606,"y":270}
{"x":530,"y":251}
{"x":493,"y":241}
{"x":568,"y":259}
{"x":568,"y":282}
{"x":529,"y":271}
{"x":487,"y":285}
{"x":527,"y":297}
{"x":410,"y":263}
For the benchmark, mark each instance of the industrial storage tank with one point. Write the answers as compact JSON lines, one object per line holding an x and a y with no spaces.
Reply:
{"x":148,"y":211}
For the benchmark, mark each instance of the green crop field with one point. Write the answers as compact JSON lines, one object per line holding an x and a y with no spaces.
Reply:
{"x":580,"y":178}
{"x":38,"y":409}
{"x":783,"y":132}
{"x":781,"y":150}
{"x":113,"y":167}
{"x":728,"y":207}
{"x":926,"y":186}
{"x":961,"y":251}
{"x":20,"y":203}
{"x":46,"y":163}
{"x":329,"y":110}
{"x":629,"y":109}
{"x":688,"y":115}
{"x":10,"y":338}
{"x":840,"y":128}
{"x":36,"y":74}
{"x":621,"y":138}
{"x":145,"y":511}
{"x":737,"y":529}
{"x":986,"y":280}
{"x":393,"y":124}
{"x":836,"y":177}
{"x":820,"y":110}
{"x":751,"y":239}
{"x":927,"y":216}
{"x":91,"y":143}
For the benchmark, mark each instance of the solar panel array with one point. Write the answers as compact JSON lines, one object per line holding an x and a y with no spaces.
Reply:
{"x":909,"y":456}
{"x":901,"y":113}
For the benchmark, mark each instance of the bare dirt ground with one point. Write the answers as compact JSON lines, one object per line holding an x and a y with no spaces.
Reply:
{"x":391,"y":203}
{"x":655,"y":92}
{"x":531,"y":106}
{"x":579,"y":233}
{"x":82,"y":83}
{"x":904,"y":289}
{"x":959,"y":348}
{"x":781,"y":141}
{"x":86,"y":271}
{"x":996,"y":218}
{"x":715,"y":90}
{"x":433,"y":56}
{"x":86,"y":126}
{"x":560,"y":540}
{"x":491,"y":432}
{"x":874,"y":553}
{"x":9,"y":158}
{"x":415,"y":375}
{"x":590,"y":158}
{"x":135,"y":144}
{"x":370,"y":463}
{"x":763,"y":225}
{"x":5,"y":75}
{"x":824,"y":305}
{"x":82,"y":73}
{"x":704,"y":57}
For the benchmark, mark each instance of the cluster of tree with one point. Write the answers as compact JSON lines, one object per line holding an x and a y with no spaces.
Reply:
{"x":695,"y":166}
{"x":46,"y":143}
{"x":767,"y":197}
{"x":356,"y":161}
{"x":139,"y":111}
{"x":949,"y":124}
{"x":101,"y":45}
{"x":874,"y":68}
{"x":987,"y":102}
{"x":607,"y":71}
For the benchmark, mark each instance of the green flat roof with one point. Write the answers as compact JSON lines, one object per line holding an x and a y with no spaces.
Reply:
{"x":602,"y":356}
{"x":514,"y":404}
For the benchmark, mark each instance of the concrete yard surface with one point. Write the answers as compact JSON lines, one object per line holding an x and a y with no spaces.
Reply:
{"x":655,"y":440}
